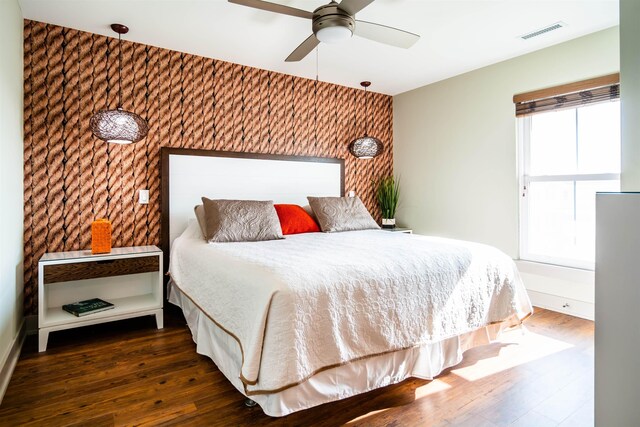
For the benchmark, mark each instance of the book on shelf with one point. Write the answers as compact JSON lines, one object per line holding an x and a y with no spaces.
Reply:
{"x":90,"y":306}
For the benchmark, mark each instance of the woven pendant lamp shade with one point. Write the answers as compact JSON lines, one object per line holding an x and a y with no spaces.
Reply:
{"x":366,"y":147}
{"x":118,"y":126}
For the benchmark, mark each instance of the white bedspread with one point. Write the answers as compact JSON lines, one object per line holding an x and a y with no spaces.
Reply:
{"x":316,"y":300}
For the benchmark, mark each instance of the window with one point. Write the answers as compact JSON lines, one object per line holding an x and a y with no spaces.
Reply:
{"x":567,"y":156}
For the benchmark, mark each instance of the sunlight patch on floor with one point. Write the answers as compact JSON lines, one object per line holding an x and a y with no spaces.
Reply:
{"x":521,"y":348}
{"x":365,"y":416}
{"x":435,"y":386}
{"x":432,"y":387}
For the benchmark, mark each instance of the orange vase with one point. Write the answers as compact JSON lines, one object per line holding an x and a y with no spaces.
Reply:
{"x":101,"y":236}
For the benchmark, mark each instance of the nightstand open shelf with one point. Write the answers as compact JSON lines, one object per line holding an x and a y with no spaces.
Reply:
{"x":398,"y":230}
{"x":129,"y":278}
{"x":129,"y":305}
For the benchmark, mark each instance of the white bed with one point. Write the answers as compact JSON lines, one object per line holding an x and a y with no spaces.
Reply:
{"x":318,"y":317}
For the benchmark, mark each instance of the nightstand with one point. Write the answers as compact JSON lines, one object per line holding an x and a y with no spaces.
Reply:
{"x":129,"y":278}
{"x":398,"y":230}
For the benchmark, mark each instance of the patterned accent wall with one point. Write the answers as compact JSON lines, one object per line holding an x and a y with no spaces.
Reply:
{"x":71,"y":178}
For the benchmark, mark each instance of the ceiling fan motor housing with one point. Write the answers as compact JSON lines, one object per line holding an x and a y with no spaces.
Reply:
{"x":330,"y":15}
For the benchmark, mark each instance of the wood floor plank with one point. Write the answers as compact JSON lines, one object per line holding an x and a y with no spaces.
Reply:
{"x":129,"y":373}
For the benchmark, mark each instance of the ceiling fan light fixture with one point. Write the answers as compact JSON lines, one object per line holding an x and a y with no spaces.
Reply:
{"x":332,"y":24}
{"x":335,"y":34}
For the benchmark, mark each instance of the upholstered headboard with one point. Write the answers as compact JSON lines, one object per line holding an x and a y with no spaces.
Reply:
{"x":189,"y":174}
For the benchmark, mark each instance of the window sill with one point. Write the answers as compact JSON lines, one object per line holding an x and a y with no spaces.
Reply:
{"x":556,"y":271}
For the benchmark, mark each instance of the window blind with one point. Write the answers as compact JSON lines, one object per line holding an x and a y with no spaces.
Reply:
{"x":600,"y":89}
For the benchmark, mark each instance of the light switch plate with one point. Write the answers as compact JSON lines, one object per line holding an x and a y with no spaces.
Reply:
{"x":143,"y":197}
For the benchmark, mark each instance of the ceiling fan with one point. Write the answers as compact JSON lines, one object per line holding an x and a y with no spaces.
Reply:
{"x":335,"y":22}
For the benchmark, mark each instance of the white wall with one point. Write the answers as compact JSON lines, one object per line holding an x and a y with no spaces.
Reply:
{"x":455,"y":145}
{"x":10,"y":175}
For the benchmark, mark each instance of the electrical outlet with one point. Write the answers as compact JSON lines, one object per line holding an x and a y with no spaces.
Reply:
{"x":143,"y":197}
{"x":352,"y":193}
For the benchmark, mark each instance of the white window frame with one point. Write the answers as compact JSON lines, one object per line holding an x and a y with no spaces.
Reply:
{"x":524,"y":141}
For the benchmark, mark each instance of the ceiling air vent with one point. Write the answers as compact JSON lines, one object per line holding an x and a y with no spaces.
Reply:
{"x":544,"y":30}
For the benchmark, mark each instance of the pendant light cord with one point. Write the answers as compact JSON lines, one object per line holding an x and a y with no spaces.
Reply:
{"x":366,"y":113}
{"x":120,"y":70}
{"x":315,"y":99}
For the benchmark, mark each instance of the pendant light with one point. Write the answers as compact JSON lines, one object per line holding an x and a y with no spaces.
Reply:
{"x":366,"y":147}
{"x":119,"y":126}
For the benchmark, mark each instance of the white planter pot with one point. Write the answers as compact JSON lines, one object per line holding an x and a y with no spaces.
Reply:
{"x":388,"y":223}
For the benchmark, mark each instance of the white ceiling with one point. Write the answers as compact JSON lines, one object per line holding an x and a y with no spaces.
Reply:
{"x":457,"y":35}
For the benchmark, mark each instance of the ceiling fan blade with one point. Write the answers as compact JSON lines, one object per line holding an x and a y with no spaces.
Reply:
{"x":304,"y":49}
{"x":354,"y":6}
{"x":273,"y":7}
{"x":387,"y":35}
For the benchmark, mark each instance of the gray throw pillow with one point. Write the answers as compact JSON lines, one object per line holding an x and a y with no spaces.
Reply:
{"x":308,"y":210}
{"x":341,"y":214}
{"x":240,"y":221}
{"x":202,"y":222}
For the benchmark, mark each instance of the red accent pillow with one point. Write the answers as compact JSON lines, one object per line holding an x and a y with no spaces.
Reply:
{"x":294,"y":220}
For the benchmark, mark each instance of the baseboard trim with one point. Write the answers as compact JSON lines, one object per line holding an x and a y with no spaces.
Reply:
{"x":12,"y":359}
{"x":585,"y":310}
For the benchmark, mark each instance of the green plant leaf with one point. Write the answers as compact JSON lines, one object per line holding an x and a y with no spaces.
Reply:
{"x":388,"y":195}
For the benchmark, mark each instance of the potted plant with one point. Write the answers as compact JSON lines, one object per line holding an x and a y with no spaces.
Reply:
{"x":388,"y":194}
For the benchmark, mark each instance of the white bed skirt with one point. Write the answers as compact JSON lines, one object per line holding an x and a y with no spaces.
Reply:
{"x":333,"y":384}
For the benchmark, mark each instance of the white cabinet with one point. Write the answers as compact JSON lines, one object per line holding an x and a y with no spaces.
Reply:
{"x":129,"y":278}
{"x":617,"y":336}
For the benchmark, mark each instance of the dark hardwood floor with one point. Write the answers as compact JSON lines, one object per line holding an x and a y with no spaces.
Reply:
{"x":129,"y":373}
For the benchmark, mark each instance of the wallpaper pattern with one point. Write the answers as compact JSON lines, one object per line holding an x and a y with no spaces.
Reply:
{"x":71,"y":178}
